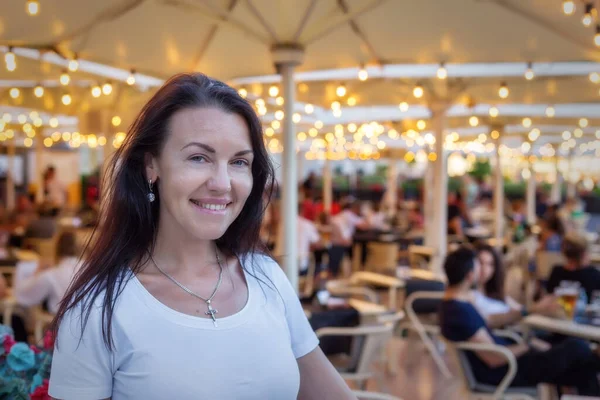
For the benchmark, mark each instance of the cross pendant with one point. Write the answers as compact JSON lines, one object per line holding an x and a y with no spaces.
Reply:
{"x":211,"y":311}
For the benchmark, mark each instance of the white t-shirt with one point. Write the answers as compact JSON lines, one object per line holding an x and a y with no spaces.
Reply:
{"x":307,"y":235}
{"x":162,"y":354}
{"x":488,"y":306}
{"x":52,"y":284}
{"x":346,"y":223}
{"x":56,"y":193}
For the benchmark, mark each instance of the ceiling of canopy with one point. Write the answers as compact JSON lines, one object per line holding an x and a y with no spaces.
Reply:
{"x":232,"y":39}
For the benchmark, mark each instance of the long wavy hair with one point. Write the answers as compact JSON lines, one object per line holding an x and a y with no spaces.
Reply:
{"x":128,"y":223}
{"x":494,"y":287}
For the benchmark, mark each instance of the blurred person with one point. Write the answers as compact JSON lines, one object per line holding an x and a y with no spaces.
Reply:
{"x":54,"y":190}
{"x":306,"y":237}
{"x":49,"y":283}
{"x":570,"y":363}
{"x":375,"y":217}
{"x":577,"y":267}
{"x":490,"y":299}
{"x":343,"y":226}
{"x":551,"y":234}
{"x":17,"y":324}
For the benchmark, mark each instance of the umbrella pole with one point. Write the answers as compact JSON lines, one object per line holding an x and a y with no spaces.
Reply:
{"x":10,"y":176}
{"x":438,"y":231}
{"x":498,"y":193}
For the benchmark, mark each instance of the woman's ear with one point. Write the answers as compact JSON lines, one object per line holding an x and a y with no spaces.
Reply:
{"x":151,"y":167}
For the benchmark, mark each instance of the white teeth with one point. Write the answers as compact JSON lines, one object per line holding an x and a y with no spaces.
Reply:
{"x":212,"y":207}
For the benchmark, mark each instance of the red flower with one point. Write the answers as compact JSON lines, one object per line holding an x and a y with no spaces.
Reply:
{"x":48,"y":340}
{"x":41,"y":392}
{"x":35,"y":349}
{"x":9,"y":342}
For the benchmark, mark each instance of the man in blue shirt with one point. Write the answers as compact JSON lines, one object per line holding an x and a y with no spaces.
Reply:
{"x":570,"y":363}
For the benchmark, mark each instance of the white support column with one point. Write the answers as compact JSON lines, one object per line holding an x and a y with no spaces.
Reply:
{"x":327,"y":184}
{"x":10,"y":177}
{"x":392,"y":186}
{"x":428,"y":203}
{"x":39,"y":169}
{"x":555,"y":193}
{"x":286,"y":58}
{"x":571,"y":187}
{"x":438,"y":230}
{"x":498,"y":192}
{"x":530,"y":198}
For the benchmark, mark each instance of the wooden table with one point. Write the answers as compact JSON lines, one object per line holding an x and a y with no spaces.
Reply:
{"x":372,"y":278}
{"x":564,"y":327}
{"x":366,"y":308}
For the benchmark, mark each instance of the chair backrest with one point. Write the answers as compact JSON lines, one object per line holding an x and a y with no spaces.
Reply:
{"x":308,"y":281}
{"x":464,"y":368}
{"x":545,"y":261}
{"x":420,"y":256}
{"x":46,"y":248}
{"x":382,"y":256}
{"x":342,"y":288}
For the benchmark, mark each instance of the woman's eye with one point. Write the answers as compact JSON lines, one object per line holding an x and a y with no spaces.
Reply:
{"x":198,"y":158}
{"x":241,"y":163}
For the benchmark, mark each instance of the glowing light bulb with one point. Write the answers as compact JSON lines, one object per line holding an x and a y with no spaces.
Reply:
{"x":550,"y":112}
{"x":32,"y":7}
{"x":28,"y":142}
{"x":494,"y":112}
{"x":568,"y":7}
{"x":296,"y":118}
{"x":418,"y":91}
{"x":14,"y":93}
{"x":116,"y":120}
{"x":588,"y":16}
{"x":107,"y":88}
{"x":594,"y":77}
{"x":526,"y":122}
{"x":38,"y":91}
{"x":10,"y":59}
{"x":279,"y":115}
{"x":309,"y":108}
{"x":74,"y":64}
{"x":442,"y":72}
{"x":503,"y":91}
{"x":279,"y":101}
{"x":529,"y":74}
{"x":48,"y":142}
{"x":53,"y":122}
{"x":583,"y":123}
{"x":597,"y":36}
{"x":243,"y":93}
{"x":65,"y":78}
{"x":341,"y":90}
{"x":66,"y":99}
{"x":351,"y":101}
{"x":273,"y":91}
{"x":363,"y":75}
{"x":96,"y":91}
{"x":335,"y":105}
{"x":473,"y":121}
{"x":403,"y":106}
{"x":131,"y":79}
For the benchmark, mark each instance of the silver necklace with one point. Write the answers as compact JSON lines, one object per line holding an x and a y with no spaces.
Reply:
{"x":211,"y":311}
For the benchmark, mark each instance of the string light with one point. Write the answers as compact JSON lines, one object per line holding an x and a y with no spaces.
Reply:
{"x":341,"y":90}
{"x":351,"y":101}
{"x":309,"y":108}
{"x":38,"y":91}
{"x":494,"y":112}
{"x":22,"y":118}
{"x":32,"y":7}
{"x":418,"y":91}
{"x":335,"y":105}
{"x":28,"y":142}
{"x":242,"y":92}
{"x":116,"y":120}
{"x":273,"y":91}
{"x":363,"y":75}
{"x":96,"y":91}
{"x":403,"y":106}
{"x":529,"y":74}
{"x":10,"y":60}
{"x":131,"y":79}
{"x":296,"y":117}
{"x":526,"y":122}
{"x":14,"y":93}
{"x":503,"y":91}
{"x":48,"y":142}
{"x":66,"y":99}
{"x":102,"y":140}
{"x":421,"y":124}
{"x":442,"y":73}
{"x":494,"y":134}
{"x":550,"y":112}
{"x":53,"y":122}
{"x":74,"y":64}
{"x":588,"y":17}
{"x":279,"y":101}
{"x":107,"y":88}
{"x":64,"y":78}
{"x":473,"y":121}
{"x":583,"y":123}
{"x":279,"y":115}
{"x":597,"y":36}
{"x":568,"y":7}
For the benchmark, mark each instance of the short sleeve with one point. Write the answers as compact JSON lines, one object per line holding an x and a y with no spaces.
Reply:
{"x":460,"y":321}
{"x":303,"y":338}
{"x":82,"y":365}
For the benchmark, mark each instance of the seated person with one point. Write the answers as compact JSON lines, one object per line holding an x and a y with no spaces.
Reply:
{"x":375,"y":217}
{"x":343,"y":226}
{"x":551,"y":234}
{"x":577,"y":268}
{"x":571,"y":363}
{"x":49,"y":283}
{"x":489,"y":296}
{"x":307,"y":237}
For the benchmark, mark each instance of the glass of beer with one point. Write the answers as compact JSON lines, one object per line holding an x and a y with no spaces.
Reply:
{"x":567,"y":294}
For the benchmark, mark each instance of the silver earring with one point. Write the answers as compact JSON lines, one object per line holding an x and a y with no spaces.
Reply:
{"x":151,"y":196}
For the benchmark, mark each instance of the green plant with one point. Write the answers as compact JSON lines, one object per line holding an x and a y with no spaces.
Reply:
{"x":481,"y":168}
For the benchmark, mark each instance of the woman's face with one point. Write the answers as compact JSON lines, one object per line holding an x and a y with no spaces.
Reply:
{"x":486,"y":260}
{"x":204,"y":172}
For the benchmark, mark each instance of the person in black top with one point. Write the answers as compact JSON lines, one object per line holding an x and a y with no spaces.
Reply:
{"x":571,"y":363}
{"x":577,"y":268}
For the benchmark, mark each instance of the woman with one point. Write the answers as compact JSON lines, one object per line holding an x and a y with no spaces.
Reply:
{"x":174,"y":299}
{"x":490,"y":300}
{"x":552,"y":231}
{"x":49,"y":284}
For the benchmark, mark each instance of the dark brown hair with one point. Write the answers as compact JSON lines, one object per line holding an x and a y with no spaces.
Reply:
{"x":66,"y":246}
{"x":574,"y":248}
{"x":128,"y":223}
{"x":494,"y":287}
